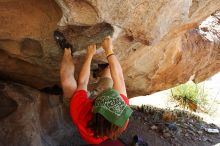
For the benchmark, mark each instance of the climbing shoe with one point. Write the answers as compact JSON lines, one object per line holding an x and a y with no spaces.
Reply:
{"x":138,"y":141}
{"x":61,"y":41}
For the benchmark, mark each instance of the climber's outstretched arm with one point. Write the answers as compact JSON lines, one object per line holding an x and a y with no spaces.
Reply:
{"x":117,"y":75}
{"x":85,"y":70}
{"x":115,"y":67}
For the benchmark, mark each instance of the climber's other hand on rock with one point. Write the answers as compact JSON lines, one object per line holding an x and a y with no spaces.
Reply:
{"x":107,"y":44}
{"x":91,"y":50}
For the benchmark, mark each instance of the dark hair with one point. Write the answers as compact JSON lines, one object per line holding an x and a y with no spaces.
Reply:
{"x":102,"y":127}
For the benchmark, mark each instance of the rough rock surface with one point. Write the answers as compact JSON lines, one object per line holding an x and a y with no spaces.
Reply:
{"x":188,"y":56}
{"x":28,"y":52}
{"x":157,"y":42}
{"x":31,"y":118}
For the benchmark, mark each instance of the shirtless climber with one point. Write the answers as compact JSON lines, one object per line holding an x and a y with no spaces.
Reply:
{"x":106,"y":115}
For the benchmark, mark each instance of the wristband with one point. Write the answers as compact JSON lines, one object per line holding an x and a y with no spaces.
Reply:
{"x":108,"y":52}
{"x":110,"y":55}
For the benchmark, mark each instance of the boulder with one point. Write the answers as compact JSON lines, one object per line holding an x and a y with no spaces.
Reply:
{"x":29,"y":117}
{"x":159,"y":44}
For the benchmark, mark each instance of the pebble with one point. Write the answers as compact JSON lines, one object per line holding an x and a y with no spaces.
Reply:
{"x":191,"y":120}
{"x":198,"y":126}
{"x":195,"y":138}
{"x":186,"y":134}
{"x":185,"y":125}
{"x":191,"y":132}
{"x":210,"y":140}
{"x":204,"y":138}
{"x":172,"y":126}
{"x":166,"y":135}
{"x":179,"y":131}
{"x":154,"y":127}
{"x":200,"y":132}
{"x":210,"y":130}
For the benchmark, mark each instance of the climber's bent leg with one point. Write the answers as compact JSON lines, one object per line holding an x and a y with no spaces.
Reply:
{"x":104,"y":82}
{"x":68,"y":81}
{"x":106,"y":73}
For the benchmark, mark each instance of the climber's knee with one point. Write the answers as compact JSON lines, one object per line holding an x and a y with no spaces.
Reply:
{"x":69,"y":87}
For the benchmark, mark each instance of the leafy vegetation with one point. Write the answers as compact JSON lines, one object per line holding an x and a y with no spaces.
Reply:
{"x":191,"y":96}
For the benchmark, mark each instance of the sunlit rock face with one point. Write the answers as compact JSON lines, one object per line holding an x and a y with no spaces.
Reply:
{"x":189,"y":56}
{"x":159,"y":43}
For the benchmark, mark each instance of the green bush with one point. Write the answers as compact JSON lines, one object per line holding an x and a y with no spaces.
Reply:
{"x":191,"y":96}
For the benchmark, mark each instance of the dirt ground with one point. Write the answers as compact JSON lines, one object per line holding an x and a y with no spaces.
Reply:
{"x":186,"y":129}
